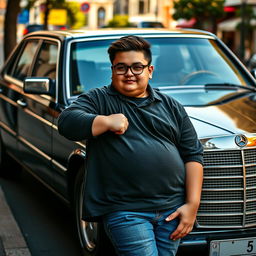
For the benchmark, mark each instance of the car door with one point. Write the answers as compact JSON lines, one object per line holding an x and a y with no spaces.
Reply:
{"x":34,"y":116}
{"x":15,"y":70}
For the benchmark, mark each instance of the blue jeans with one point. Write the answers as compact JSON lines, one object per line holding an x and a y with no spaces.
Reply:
{"x":141,"y":233}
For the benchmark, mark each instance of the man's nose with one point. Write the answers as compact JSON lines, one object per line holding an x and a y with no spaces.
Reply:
{"x":129,"y":72}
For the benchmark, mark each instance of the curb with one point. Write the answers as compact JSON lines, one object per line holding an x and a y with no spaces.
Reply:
{"x":12,"y":242}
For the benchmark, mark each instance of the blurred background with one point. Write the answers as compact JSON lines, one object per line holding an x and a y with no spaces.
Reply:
{"x":233,"y":21}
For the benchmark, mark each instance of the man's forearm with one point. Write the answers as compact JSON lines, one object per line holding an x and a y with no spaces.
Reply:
{"x":100,"y":125}
{"x":187,"y":212}
{"x":194,"y":180}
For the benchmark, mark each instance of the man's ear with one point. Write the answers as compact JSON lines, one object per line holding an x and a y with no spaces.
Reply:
{"x":151,"y":69}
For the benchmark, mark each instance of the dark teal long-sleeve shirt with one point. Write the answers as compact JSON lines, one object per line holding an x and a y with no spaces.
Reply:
{"x":142,"y":169}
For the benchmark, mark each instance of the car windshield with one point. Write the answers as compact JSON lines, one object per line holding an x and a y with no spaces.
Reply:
{"x":177,"y":61}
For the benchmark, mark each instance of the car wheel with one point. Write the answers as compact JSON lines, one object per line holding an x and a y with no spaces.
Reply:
{"x":92,"y":237}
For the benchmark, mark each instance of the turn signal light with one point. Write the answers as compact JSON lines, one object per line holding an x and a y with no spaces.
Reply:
{"x":251,"y":141}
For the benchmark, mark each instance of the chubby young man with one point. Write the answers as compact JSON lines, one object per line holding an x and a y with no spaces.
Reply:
{"x":144,"y":161}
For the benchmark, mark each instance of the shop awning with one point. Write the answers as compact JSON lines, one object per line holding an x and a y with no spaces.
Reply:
{"x":231,"y":24}
{"x":238,"y":2}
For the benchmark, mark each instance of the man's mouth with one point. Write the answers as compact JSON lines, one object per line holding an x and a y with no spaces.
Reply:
{"x":130,"y":81}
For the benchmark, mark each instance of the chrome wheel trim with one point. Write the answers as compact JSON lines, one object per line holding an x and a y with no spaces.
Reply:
{"x":88,"y":230}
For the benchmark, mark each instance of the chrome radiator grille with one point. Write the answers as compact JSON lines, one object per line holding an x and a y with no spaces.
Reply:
{"x":229,"y":189}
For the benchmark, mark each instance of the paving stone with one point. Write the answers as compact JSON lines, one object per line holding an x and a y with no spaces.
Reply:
{"x":12,"y":240}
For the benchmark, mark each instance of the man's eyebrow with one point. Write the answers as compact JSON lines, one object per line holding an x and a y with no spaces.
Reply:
{"x":128,"y":65}
{"x":137,"y":63}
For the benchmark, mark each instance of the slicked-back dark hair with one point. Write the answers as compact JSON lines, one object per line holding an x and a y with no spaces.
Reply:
{"x":130,"y":43}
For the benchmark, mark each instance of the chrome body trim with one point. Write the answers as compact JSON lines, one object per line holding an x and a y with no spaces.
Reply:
{"x":244,"y":191}
{"x":192,"y":243}
{"x":59,"y":166}
{"x":29,"y":112}
{"x":28,"y":144}
{"x":9,"y":100}
{"x":8,"y":129}
{"x":55,"y":127}
{"x":79,"y":143}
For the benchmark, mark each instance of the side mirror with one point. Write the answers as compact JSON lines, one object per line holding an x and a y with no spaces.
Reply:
{"x":39,"y":85}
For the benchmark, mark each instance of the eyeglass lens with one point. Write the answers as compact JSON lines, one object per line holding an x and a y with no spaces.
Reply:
{"x":122,"y":68}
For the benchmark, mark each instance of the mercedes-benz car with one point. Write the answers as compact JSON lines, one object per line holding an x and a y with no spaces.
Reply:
{"x":49,"y":69}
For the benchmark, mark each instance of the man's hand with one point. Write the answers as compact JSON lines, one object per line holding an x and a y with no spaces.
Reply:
{"x":116,"y":123}
{"x":187,"y":215}
{"x":187,"y":212}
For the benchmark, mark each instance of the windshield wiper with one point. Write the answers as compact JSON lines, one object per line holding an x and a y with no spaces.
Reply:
{"x":230,"y":86}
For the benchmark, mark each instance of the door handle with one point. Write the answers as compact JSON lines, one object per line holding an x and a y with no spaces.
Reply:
{"x":22,"y":103}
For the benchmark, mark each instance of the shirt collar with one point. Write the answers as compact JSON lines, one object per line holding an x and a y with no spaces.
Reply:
{"x":153,"y":95}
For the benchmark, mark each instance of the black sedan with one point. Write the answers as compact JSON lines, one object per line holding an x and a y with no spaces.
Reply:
{"x":48,"y":70}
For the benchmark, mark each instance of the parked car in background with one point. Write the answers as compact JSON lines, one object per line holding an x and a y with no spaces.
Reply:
{"x":38,"y":27}
{"x":147,"y":24}
{"x":48,"y":70}
{"x":32,"y":28}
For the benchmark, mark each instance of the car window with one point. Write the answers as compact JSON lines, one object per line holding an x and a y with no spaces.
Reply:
{"x":21,"y":69}
{"x":89,"y":66}
{"x":172,"y":62}
{"x":45,"y":65}
{"x":177,"y":61}
{"x":150,"y":24}
{"x":192,"y":61}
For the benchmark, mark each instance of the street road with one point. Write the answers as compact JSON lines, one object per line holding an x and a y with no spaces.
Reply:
{"x":43,"y":219}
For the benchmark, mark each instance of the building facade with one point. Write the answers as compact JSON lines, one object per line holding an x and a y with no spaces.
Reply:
{"x":241,"y":41}
{"x":146,"y":10}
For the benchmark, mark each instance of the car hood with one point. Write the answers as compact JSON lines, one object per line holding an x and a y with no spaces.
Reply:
{"x":225,"y":115}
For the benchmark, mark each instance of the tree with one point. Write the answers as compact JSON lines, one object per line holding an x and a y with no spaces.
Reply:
{"x":47,"y":6}
{"x":76,"y":18}
{"x":11,"y":15}
{"x":206,"y":12}
{"x":119,"y":21}
{"x":246,"y":30}
{"x":10,"y":26}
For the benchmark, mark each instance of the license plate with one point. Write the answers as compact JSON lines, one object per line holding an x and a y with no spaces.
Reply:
{"x":233,"y":247}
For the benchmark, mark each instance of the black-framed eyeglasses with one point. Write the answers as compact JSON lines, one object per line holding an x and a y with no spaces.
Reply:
{"x":122,"y":68}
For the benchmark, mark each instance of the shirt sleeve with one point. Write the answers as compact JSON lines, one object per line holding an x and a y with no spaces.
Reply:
{"x":75,"y":122}
{"x":190,"y":147}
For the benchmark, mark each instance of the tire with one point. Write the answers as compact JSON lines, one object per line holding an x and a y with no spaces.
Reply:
{"x":92,"y":237}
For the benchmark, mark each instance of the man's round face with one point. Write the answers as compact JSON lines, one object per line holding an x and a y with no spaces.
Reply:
{"x":128,"y":83}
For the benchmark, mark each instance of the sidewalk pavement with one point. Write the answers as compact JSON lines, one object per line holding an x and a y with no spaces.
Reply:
{"x":12,"y":242}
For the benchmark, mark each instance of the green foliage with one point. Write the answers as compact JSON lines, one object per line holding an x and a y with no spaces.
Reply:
{"x":76,"y":19}
{"x":199,"y":9}
{"x":52,"y":3}
{"x":249,"y":15}
{"x":119,"y":21}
